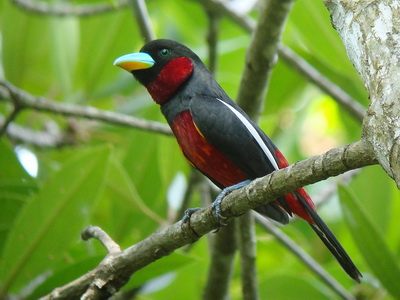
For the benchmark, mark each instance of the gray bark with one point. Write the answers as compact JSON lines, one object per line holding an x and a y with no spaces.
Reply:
{"x":370,"y":31}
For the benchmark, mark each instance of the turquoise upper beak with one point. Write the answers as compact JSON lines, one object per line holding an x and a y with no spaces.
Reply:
{"x":134,"y":61}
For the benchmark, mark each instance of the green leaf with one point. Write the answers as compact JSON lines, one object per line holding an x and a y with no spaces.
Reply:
{"x":372,"y":184}
{"x":103,"y":37}
{"x":10,"y":167}
{"x":145,"y":173}
{"x":122,"y":212}
{"x":15,"y":187}
{"x":65,"y":46}
{"x":370,"y":241}
{"x":53,"y":218}
{"x":276,"y":288}
{"x":168,"y":264}
{"x":310,"y":31}
{"x":64,"y":275}
{"x":25,"y":49}
{"x":170,"y":159}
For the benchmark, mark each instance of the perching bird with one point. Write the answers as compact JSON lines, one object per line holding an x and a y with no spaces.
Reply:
{"x":216,"y":136}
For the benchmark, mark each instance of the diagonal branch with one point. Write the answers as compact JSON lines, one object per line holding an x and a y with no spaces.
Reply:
{"x":298,"y":64}
{"x":116,"y":269}
{"x":26,"y":100}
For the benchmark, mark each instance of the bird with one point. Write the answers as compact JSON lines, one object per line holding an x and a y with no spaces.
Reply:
{"x":216,"y":136}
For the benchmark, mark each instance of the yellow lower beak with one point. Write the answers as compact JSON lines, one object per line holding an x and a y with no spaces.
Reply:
{"x":134,"y":61}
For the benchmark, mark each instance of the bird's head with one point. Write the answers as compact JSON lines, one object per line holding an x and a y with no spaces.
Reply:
{"x":162,"y":66}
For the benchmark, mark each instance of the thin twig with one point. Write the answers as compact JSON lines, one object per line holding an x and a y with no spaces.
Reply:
{"x":9,"y":119}
{"x":62,"y":10}
{"x":36,"y":138}
{"x":243,"y":7}
{"x":38,"y":103}
{"x":99,"y":234}
{"x":142,"y":18}
{"x":15,"y":111}
{"x":242,"y":20}
{"x":314,"y":266}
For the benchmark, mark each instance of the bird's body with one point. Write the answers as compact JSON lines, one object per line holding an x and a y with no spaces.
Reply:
{"x":216,"y":136}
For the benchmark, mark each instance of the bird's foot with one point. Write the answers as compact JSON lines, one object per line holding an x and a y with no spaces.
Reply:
{"x":188,"y":213}
{"x":216,"y":205}
{"x":186,"y":218}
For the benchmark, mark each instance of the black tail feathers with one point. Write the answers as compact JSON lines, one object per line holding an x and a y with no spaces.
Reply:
{"x":330,"y":241}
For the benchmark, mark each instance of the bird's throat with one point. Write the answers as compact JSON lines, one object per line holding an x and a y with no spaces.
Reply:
{"x":170,"y":79}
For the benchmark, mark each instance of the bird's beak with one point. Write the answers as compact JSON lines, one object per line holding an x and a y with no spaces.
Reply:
{"x":134,"y":61}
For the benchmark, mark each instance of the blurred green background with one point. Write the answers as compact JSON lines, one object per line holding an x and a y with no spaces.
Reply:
{"x":118,"y":178}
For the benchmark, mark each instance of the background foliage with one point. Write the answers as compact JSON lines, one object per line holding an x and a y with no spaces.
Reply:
{"x":120,"y":178}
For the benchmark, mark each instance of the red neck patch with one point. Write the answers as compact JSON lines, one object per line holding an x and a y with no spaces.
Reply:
{"x":171,"y":77}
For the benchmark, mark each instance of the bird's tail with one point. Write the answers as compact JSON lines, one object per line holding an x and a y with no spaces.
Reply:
{"x":330,"y":241}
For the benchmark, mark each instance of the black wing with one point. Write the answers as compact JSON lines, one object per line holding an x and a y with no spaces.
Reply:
{"x":219,"y":124}
{"x":227,"y":128}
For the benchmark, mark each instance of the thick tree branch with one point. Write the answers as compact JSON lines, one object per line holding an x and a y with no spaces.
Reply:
{"x":26,"y":100}
{"x":62,"y":10}
{"x":370,"y":31}
{"x":116,"y":269}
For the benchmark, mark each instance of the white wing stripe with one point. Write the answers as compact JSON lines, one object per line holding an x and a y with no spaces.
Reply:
{"x":254,"y":133}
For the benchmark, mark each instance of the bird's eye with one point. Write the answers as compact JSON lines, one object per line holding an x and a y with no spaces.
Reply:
{"x":164,"y":52}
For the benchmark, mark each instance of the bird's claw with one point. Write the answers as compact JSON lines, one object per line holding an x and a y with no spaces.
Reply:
{"x":188,"y":213}
{"x":216,"y":206}
{"x":186,"y":218}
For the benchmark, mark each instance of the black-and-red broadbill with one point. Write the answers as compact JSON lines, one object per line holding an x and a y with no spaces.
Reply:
{"x":216,"y":136}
